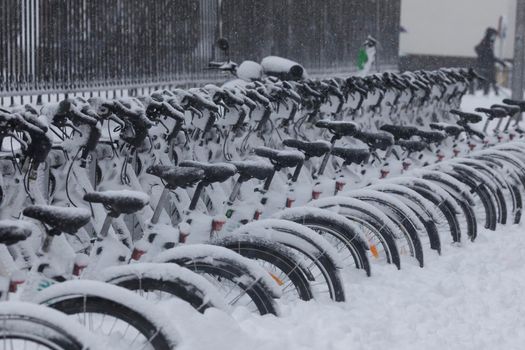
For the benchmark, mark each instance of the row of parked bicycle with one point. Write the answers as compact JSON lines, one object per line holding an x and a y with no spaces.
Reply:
{"x":246,"y":195}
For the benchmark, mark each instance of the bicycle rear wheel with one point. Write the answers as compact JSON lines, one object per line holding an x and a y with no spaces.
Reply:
{"x":31,"y":326}
{"x":157,"y":282}
{"x":126,"y":320}
{"x":240,"y":281}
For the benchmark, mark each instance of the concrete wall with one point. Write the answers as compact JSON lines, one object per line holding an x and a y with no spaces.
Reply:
{"x":453,"y":27}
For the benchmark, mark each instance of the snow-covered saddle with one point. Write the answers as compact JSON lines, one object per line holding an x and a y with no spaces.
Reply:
{"x":12,"y":231}
{"x":60,"y":219}
{"x":119,"y":202}
{"x":213,"y":172}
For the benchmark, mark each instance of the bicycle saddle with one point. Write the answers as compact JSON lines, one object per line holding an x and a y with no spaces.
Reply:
{"x":400,"y":131}
{"x":338,"y":128}
{"x":12,"y":231}
{"x":520,"y":104}
{"x":431,"y":136}
{"x":450,"y":129}
{"x":61,"y":219}
{"x":249,"y":169}
{"x":213,"y":172}
{"x":310,"y":149}
{"x":412,"y":145}
{"x":176,"y":176}
{"x":119,"y":202}
{"x":493,"y":113}
{"x":280,"y":159}
{"x":352,"y":155}
{"x":375,"y":140}
{"x":467,"y":117}
{"x":511,"y":110}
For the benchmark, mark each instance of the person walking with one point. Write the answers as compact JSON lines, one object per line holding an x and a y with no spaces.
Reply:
{"x":366,"y":56}
{"x":487,"y":60}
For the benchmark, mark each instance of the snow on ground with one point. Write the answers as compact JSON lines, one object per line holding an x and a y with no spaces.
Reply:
{"x":470,"y":102}
{"x":471,"y":297}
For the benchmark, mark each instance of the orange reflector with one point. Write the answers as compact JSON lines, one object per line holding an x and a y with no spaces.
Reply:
{"x":277,"y":279}
{"x":373,"y":250}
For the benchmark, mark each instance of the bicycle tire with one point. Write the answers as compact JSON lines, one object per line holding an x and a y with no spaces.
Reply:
{"x":334,"y":225}
{"x":398,"y":213}
{"x":222,"y":263}
{"x":428,"y":190}
{"x":307,"y":243}
{"x":365,"y":214}
{"x":255,"y":248}
{"x":491,"y":215}
{"x":166,"y":278}
{"x":461,"y":195}
{"x":83,"y":296}
{"x":419,"y":206}
{"x":20,"y":321}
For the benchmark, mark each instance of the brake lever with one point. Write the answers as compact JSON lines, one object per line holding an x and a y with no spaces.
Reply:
{"x":117,"y":120}
{"x":194,"y":110}
{"x":164,"y":125}
{"x":223,"y":105}
{"x":172,"y":111}
{"x":75,"y":129}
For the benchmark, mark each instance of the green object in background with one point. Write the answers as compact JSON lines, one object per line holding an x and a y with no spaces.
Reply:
{"x":362,"y":58}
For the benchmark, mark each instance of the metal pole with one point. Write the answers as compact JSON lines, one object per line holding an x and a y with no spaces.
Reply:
{"x":519,"y":55}
{"x":519,"y":52}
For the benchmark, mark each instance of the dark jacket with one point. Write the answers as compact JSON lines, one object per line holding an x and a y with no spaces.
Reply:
{"x":486,"y":58}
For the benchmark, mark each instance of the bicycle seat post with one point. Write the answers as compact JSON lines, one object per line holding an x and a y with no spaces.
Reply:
{"x":235,"y":190}
{"x":48,"y":240}
{"x":105,"y":226}
{"x":327,"y":155}
{"x":196,"y":195}
{"x":160,"y":205}
{"x":297,"y":171}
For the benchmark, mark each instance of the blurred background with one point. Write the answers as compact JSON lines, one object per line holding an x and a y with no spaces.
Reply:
{"x":75,"y":46}
{"x":444,"y":33}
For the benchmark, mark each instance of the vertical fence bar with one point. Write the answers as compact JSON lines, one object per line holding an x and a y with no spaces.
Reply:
{"x":3,"y":48}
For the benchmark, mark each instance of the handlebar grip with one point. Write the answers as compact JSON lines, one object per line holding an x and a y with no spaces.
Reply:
{"x":202,"y":102}
{"x":82,"y":118}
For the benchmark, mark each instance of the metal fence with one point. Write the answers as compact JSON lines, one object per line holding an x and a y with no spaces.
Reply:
{"x":51,"y":46}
